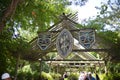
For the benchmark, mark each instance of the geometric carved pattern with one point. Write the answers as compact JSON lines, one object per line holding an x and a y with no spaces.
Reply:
{"x":44,"y":40}
{"x":87,"y":37}
{"x":64,"y":43}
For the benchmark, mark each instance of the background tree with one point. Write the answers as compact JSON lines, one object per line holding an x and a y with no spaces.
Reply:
{"x":21,"y":20}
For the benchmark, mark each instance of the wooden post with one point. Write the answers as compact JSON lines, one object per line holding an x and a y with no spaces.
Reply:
{"x":106,"y":70}
{"x":16,"y":68}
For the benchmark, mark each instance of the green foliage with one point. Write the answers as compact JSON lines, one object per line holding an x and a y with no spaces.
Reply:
{"x":35,"y":13}
{"x":73,"y":76}
{"x":45,"y":67}
{"x":3,"y":7}
{"x":80,"y":26}
{"x":55,"y":76}
{"x":27,"y":73}
{"x":115,"y":51}
{"x":34,"y":16}
{"x":95,"y":25}
{"x":46,"y":76}
{"x":110,"y":17}
{"x":108,"y":36}
{"x":35,"y":66}
{"x":113,"y":67}
{"x":103,"y":9}
{"x":107,"y":28}
{"x":30,"y":16}
{"x":5,"y":58}
{"x":10,"y":48}
{"x":112,"y":76}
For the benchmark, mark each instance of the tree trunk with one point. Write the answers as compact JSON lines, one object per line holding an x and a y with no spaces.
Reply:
{"x":8,"y":13}
{"x":16,"y":68}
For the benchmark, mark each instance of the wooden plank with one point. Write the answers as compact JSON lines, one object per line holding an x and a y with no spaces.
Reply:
{"x":91,"y":50}
{"x":71,"y":60}
{"x":87,"y":50}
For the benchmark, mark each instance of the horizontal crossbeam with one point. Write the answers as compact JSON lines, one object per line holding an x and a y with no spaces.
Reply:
{"x":69,"y":30}
{"x":68,"y":60}
{"x":87,"y":50}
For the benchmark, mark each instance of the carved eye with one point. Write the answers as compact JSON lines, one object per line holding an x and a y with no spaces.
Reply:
{"x":44,"y":41}
{"x":87,"y":37}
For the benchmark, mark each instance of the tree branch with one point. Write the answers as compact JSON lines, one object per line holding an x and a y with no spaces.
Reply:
{"x":8,"y":13}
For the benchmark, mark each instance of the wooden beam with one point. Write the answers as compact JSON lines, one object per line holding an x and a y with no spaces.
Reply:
{"x":87,"y":50}
{"x":60,"y":31}
{"x":70,"y":60}
{"x":73,"y":30}
{"x":91,"y":50}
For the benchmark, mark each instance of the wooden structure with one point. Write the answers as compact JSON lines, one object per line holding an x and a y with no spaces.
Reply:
{"x":66,"y":30}
{"x":73,"y":48}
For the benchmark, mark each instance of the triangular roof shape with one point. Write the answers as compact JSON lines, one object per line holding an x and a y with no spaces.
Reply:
{"x":67,"y":22}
